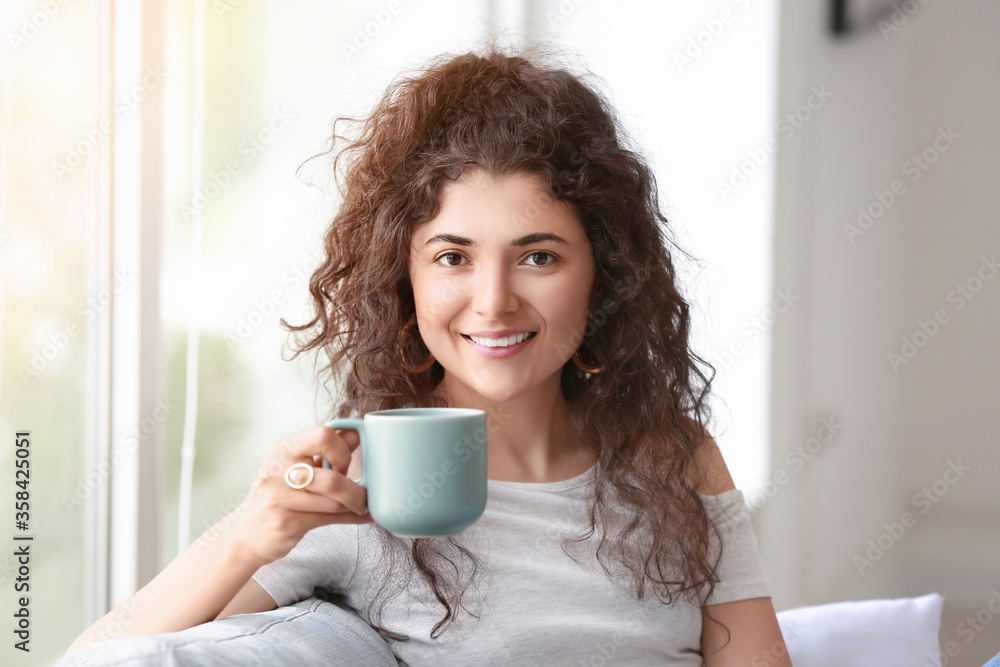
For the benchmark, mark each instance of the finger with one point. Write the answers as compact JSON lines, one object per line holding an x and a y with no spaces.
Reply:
{"x":348,"y":441}
{"x":297,"y":500}
{"x":350,"y":437}
{"x":316,"y":441}
{"x":336,"y":490}
{"x":317,"y":519}
{"x":337,"y":486}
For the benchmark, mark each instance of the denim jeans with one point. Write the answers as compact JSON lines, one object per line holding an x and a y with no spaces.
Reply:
{"x":310,"y":632}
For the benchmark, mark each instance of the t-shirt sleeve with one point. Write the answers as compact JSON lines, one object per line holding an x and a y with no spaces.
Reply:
{"x":325,"y":557}
{"x":741,"y":574}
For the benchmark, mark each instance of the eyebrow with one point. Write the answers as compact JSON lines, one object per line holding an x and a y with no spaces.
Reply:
{"x":517,"y":243}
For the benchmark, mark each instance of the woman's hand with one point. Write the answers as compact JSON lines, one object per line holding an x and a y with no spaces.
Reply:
{"x":274,"y":516}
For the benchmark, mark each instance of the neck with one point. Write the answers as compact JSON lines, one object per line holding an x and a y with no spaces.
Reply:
{"x":529,"y":436}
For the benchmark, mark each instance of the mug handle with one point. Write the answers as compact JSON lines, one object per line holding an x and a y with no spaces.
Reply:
{"x":354,"y":425}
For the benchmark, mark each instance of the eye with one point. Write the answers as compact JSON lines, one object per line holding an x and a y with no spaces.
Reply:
{"x":448,"y":254}
{"x":544,"y":254}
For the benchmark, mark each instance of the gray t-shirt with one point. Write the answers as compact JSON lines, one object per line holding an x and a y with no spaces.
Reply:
{"x":536,"y":605}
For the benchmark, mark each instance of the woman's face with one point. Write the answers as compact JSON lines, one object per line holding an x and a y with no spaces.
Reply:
{"x":501,"y":257}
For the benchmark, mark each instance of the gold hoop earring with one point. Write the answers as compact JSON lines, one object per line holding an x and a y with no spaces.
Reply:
{"x":584,"y":367}
{"x":401,"y":347}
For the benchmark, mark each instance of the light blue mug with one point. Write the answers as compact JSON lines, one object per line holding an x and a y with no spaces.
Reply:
{"x":424,"y":468}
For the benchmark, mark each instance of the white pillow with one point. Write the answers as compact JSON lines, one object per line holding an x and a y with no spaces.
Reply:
{"x":876,"y":633}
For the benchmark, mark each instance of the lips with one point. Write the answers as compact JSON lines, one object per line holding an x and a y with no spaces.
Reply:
{"x":499,"y":352}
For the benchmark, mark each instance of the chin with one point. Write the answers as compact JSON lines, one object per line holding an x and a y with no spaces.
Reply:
{"x":492,"y":389}
{"x":492,"y":393}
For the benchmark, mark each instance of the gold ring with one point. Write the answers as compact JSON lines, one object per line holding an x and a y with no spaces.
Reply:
{"x":302,"y":484}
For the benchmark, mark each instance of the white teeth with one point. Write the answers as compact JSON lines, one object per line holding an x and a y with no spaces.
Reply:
{"x":500,"y":342}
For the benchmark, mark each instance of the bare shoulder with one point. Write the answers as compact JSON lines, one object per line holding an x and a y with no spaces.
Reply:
{"x":712,"y":468}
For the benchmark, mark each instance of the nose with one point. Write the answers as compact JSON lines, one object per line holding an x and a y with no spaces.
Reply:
{"x":494,"y":294}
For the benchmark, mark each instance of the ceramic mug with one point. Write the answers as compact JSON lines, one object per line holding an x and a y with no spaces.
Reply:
{"x":424,"y":468}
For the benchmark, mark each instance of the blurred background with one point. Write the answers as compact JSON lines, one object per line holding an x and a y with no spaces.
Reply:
{"x":832,"y":182}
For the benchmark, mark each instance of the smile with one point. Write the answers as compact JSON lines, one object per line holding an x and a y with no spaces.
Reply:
{"x":500,"y":348}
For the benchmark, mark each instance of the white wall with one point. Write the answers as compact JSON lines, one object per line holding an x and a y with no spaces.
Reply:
{"x":892,"y":92}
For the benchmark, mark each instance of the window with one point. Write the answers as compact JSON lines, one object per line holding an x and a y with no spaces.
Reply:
{"x":51,"y":296}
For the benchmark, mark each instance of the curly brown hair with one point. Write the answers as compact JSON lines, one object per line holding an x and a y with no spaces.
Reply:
{"x":505,"y":111}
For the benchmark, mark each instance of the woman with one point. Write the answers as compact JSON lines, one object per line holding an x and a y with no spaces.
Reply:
{"x":491,"y":202}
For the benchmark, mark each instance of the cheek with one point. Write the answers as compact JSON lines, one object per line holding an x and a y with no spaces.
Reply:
{"x":437,"y":299}
{"x":560,"y":302}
